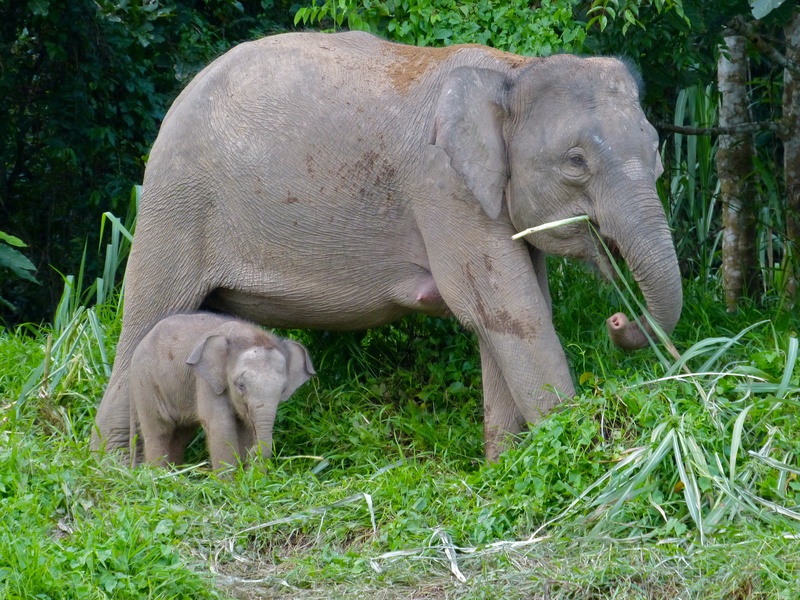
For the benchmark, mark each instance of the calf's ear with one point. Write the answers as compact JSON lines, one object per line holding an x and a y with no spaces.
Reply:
{"x":209,"y":360}
{"x":298,"y":367}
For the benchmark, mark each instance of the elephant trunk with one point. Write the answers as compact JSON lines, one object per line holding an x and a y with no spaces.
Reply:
{"x":263,"y":422}
{"x":647,"y":247}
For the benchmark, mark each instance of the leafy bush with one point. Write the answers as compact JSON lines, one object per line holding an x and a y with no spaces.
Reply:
{"x":14,"y":261}
{"x":512,"y":26}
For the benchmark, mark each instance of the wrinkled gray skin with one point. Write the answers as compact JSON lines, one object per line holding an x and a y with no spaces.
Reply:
{"x":224,"y":374}
{"x":339,"y":181}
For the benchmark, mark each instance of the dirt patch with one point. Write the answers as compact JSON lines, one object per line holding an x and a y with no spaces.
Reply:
{"x":413,"y":62}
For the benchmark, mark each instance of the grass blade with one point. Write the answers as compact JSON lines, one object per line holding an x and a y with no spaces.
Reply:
{"x":691,"y":492}
{"x":791,"y":361}
{"x":736,"y":442}
{"x":775,"y":464}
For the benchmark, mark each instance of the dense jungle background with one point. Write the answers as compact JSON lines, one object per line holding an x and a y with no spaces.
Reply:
{"x":665,"y":477}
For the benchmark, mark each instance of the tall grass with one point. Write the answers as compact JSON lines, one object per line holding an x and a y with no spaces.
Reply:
{"x":690,"y":192}
{"x":774,"y":252}
{"x":78,"y":346}
{"x":690,"y":186}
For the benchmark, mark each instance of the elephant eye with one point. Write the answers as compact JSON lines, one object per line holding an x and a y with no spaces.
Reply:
{"x":576,"y":165}
{"x":577,"y":161}
{"x":241,"y":387}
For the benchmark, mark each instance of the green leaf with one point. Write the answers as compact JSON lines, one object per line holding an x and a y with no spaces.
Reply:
{"x":791,"y":361}
{"x":39,"y":8}
{"x":14,"y":260}
{"x":736,"y":442}
{"x":761,"y":8}
{"x":11,"y":240}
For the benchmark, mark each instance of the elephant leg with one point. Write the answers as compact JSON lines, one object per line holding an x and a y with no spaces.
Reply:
{"x":110,"y":425}
{"x":489,"y":283}
{"x":501,"y":417}
{"x":523,"y":361}
{"x":157,"y":443}
{"x":219,"y":422}
{"x":223,"y":448}
{"x":177,"y":291}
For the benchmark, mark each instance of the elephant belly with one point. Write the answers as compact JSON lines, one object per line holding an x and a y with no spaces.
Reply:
{"x":359,"y":307}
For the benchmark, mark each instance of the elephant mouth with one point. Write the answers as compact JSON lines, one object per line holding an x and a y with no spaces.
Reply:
{"x":613,"y":249}
{"x":607,"y":255}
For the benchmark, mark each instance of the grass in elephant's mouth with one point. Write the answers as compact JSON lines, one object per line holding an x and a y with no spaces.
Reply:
{"x":645,"y":485}
{"x":550,"y":225}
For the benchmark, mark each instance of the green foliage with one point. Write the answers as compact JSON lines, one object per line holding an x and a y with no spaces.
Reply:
{"x":79,"y":343}
{"x":410,"y":373}
{"x":674,"y":43}
{"x":15,"y":261}
{"x":690,"y":185}
{"x":690,"y":191}
{"x":66,"y":551}
{"x":512,"y":26}
{"x":629,"y":12}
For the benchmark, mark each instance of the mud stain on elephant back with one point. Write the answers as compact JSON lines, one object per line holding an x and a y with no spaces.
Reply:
{"x":414,"y":62}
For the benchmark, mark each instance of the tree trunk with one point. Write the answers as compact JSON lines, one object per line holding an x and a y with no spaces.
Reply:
{"x":734,"y":163}
{"x":791,"y":159}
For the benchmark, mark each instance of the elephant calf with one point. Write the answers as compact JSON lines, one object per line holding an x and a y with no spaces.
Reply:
{"x":214,"y":371}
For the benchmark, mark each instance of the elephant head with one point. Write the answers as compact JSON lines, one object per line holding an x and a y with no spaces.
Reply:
{"x":566,"y":137}
{"x":253,"y":373}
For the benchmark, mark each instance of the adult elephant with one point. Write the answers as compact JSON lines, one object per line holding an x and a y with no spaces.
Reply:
{"x":340,"y":181}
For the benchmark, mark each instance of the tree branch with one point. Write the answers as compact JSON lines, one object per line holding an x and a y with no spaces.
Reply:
{"x":742,"y":27}
{"x":778,"y":127}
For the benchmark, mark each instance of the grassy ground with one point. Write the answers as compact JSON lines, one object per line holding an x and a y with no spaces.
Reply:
{"x":660,"y":480}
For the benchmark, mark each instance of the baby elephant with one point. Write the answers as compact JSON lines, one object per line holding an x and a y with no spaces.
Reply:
{"x":216,"y":371}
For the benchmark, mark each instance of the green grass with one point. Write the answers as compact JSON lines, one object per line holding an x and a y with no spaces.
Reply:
{"x":652,"y":483}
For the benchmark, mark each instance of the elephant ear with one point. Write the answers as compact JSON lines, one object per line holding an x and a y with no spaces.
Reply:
{"x":469,"y":128}
{"x":209,"y":360}
{"x":298,"y":367}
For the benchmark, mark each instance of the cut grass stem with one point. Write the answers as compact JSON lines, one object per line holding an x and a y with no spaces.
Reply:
{"x":551,"y":225}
